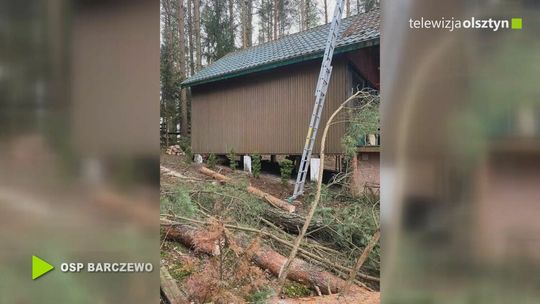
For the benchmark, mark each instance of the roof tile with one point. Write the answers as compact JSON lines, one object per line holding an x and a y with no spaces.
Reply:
{"x":355,"y":29}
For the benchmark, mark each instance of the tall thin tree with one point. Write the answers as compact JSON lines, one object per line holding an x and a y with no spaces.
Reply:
{"x":246,"y":9}
{"x":303,"y":15}
{"x":190,"y":37}
{"x":325,"y":2}
{"x":218,"y":40}
{"x":311,"y":14}
{"x":168,"y":71}
{"x":231,"y":20}
{"x":277,"y":14}
{"x":184,"y":125}
{"x":197,"y":32}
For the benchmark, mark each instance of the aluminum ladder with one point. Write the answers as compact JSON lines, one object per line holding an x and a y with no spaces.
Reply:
{"x":320,"y":94}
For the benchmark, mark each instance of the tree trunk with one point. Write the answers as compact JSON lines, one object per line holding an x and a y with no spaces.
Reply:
{"x":264,"y":257}
{"x":243,"y":24}
{"x":276,"y":18}
{"x":184,"y":123}
{"x":247,"y":18}
{"x":197,"y":32}
{"x":191,"y":237}
{"x":348,"y":11}
{"x":302,"y":15}
{"x":355,"y":183}
{"x":291,"y":223}
{"x":181,"y":40}
{"x":167,"y":132}
{"x":231,"y":19}
{"x":362,"y":296}
{"x":168,"y":28}
{"x":169,"y":288}
{"x":325,"y":11}
{"x":182,"y":69}
{"x":249,"y":22}
{"x":190,"y":37}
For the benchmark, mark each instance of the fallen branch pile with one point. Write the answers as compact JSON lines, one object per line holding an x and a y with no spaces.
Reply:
{"x":319,"y":259}
{"x":282,"y":225}
{"x":264,"y":257}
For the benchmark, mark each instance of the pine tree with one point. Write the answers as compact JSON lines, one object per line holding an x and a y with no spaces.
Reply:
{"x":197,"y":33}
{"x":325,"y":3}
{"x":309,"y":14}
{"x":246,"y":16}
{"x":287,"y":12}
{"x":232,"y":28}
{"x":218,"y":42}
{"x":191,"y":48}
{"x":169,"y":79}
{"x":180,"y":13}
{"x":370,"y":5}
{"x":266,"y":20}
{"x":312,"y":14}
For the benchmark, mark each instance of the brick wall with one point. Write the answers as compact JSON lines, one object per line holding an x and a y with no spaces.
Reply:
{"x":366,"y":173}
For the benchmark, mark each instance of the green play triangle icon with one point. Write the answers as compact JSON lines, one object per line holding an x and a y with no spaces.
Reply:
{"x":40,"y":267}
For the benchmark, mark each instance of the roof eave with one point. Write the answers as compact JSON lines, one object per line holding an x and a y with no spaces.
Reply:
{"x":270,"y":66}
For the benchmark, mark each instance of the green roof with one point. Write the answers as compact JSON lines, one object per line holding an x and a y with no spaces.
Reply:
{"x":355,"y":32}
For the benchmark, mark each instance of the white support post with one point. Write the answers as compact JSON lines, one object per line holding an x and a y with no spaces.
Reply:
{"x":247,"y":163}
{"x":315,"y":165}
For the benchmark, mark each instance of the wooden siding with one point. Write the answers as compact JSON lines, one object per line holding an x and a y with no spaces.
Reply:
{"x":266,"y":112}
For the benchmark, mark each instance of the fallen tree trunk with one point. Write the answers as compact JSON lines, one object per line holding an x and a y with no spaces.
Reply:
{"x":301,"y":271}
{"x":318,"y":231}
{"x":274,"y":201}
{"x":169,"y":289}
{"x":189,"y":236}
{"x":319,"y":259}
{"x":360,"y":297}
{"x":266,"y":258}
{"x":214,"y":174}
{"x":292,"y":223}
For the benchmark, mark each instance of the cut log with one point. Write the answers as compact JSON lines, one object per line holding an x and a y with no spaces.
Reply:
{"x":272,"y":200}
{"x":214,"y":174}
{"x":360,"y":297}
{"x":189,"y":236}
{"x":319,"y":259}
{"x":269,"y":259}
{"x":169,"y":289}
{"x":174,"y":150}
{"x":301,"y":271}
